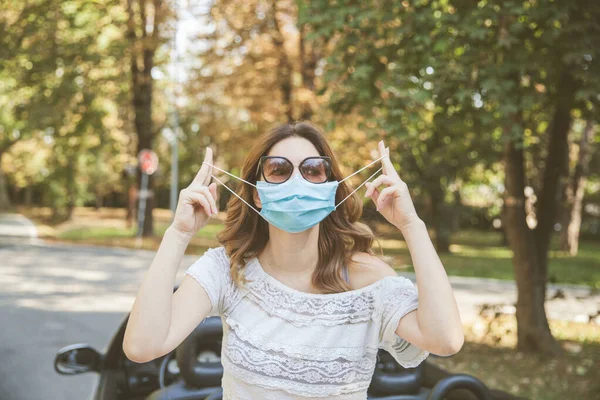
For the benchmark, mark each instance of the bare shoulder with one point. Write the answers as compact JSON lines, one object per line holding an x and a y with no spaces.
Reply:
{"x":366,"y":269}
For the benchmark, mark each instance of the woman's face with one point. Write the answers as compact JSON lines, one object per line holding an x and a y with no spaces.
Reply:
{"x":294,"y":149}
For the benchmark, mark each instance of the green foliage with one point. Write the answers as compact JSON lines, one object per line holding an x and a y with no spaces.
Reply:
{"x":62,"y":84}
{"x":441,"y":79}
{"x":444,"y":82}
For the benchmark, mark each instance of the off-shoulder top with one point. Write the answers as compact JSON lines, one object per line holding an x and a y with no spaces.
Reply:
{"x":281,"y":343}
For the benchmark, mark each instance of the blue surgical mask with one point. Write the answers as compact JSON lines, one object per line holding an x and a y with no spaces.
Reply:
{"x":296,"y":204}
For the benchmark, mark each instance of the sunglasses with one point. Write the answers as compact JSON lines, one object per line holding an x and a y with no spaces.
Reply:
{"x":277,"y":169}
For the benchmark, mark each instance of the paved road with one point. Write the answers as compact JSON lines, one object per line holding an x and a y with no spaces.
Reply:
{"x":56,"y":295}
{"x":53,"y":296}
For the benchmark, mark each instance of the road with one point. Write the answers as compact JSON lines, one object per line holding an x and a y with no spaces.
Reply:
{"x":56,"y":295}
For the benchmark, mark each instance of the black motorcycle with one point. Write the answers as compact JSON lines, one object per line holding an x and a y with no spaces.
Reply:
{"x":193,"y":371}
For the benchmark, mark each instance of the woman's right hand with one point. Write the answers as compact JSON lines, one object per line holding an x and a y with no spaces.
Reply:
{"x":197,"y":202}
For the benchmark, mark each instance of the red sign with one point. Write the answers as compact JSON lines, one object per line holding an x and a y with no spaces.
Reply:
{"x":148,"y":161}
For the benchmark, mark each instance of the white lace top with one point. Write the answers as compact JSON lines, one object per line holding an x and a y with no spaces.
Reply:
{"x":280,"y":343}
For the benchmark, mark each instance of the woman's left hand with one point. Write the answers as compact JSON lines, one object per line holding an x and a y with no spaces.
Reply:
{"x":393,"y":202}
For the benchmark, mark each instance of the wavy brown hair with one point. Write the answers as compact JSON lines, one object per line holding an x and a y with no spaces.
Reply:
{"x":340,"y":234}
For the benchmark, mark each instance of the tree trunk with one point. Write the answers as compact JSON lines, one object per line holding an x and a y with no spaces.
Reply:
{"x":530,"y":248}
{"x":308,"y":65}
{"x":574,"y":193}
{"x":457,"y":207}
{"x":142,"y":60}
{"x":142,"y":102}
{"x":99,"y":198}
{"x":555,"y":167}
{"x":440,"y":218}
{"x":533,"y":331}
{"x":284,"y":67}
{"x":4,"y":199}
{"x":28,"y":196}
{"x":71,"y":188}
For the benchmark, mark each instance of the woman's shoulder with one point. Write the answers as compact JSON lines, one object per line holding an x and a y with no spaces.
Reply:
{"x":366,"y":269}
{"x":218,"y":252}
{"x":214,"y":259}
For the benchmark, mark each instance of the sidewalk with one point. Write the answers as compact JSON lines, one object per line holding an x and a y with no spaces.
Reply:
{"x":17,"y":228}
{"x":565,"y":302}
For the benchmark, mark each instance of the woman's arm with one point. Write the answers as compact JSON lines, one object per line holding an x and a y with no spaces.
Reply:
{"x":437,"y":321}
{"x":161,"y":319}
{"x":435,"y":325}
{"x":149,"y":332}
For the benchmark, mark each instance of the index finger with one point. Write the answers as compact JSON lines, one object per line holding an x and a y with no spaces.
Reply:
{"x":388,"y":167}
{"x":204,"y":174}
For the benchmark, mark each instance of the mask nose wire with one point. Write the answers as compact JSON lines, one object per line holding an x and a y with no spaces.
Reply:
{"x":233,"y":192}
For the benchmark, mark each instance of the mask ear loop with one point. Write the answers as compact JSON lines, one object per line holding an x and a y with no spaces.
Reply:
{"x":227,"y":187}
{"x":368,"y":179}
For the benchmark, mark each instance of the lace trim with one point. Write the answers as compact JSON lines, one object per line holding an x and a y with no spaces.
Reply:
{"x":295,"y":388}
{"x":302,"y":312}
{"x":302,"y":309}
{"x":212,"y":271}
{"x":398,"y":299}
{"x":300,"y":376}
{"x":236,"y":389}
{"x":254,"y":265}
{"x":264,"y":343}
{"x":399,"y":295}
{"x":208,"y":288}
{"x":399,"y":351}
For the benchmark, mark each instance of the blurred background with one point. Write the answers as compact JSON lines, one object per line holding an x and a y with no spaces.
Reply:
{"x":490,"y":110}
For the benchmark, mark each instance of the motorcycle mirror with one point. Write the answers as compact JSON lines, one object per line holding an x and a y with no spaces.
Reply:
{"x":77,"y":359}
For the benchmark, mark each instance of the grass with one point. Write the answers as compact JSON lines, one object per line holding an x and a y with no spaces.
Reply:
{"x":481,"y":254}
{"x":492,"y":358}
{"x":108,"y":227}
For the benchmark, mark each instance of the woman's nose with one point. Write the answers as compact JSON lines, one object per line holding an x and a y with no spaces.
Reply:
{"x":296,"y":171}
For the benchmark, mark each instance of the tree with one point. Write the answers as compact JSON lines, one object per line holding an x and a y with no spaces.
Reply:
{"x":145,"y":24}
{"x":60,"y":83}
{"x":524,"y":66}
{"x":254,"y":70}
{"x":562,"y":75}
{"x":395,"y":65}
{"x":19,"y":26}
{"x":574,"y":190}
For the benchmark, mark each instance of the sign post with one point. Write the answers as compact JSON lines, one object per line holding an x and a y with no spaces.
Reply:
{"x":148,"y":162}
{"x":171,"y":138}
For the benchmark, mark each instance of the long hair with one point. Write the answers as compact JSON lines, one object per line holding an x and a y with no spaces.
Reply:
{"x":340,"y":233}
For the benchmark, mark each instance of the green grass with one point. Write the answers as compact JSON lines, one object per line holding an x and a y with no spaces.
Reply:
{"x":110,"y":232}
{"x":481,"y":254}
{"x":100,"y":232}
{"x":584,"y":268}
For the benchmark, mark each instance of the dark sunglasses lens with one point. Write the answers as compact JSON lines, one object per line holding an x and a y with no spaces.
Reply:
{"x":277,"y":170}
{"x":315,"y":170}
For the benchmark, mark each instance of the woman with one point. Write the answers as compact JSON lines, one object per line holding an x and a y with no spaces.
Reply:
{"x":304,"y":301}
